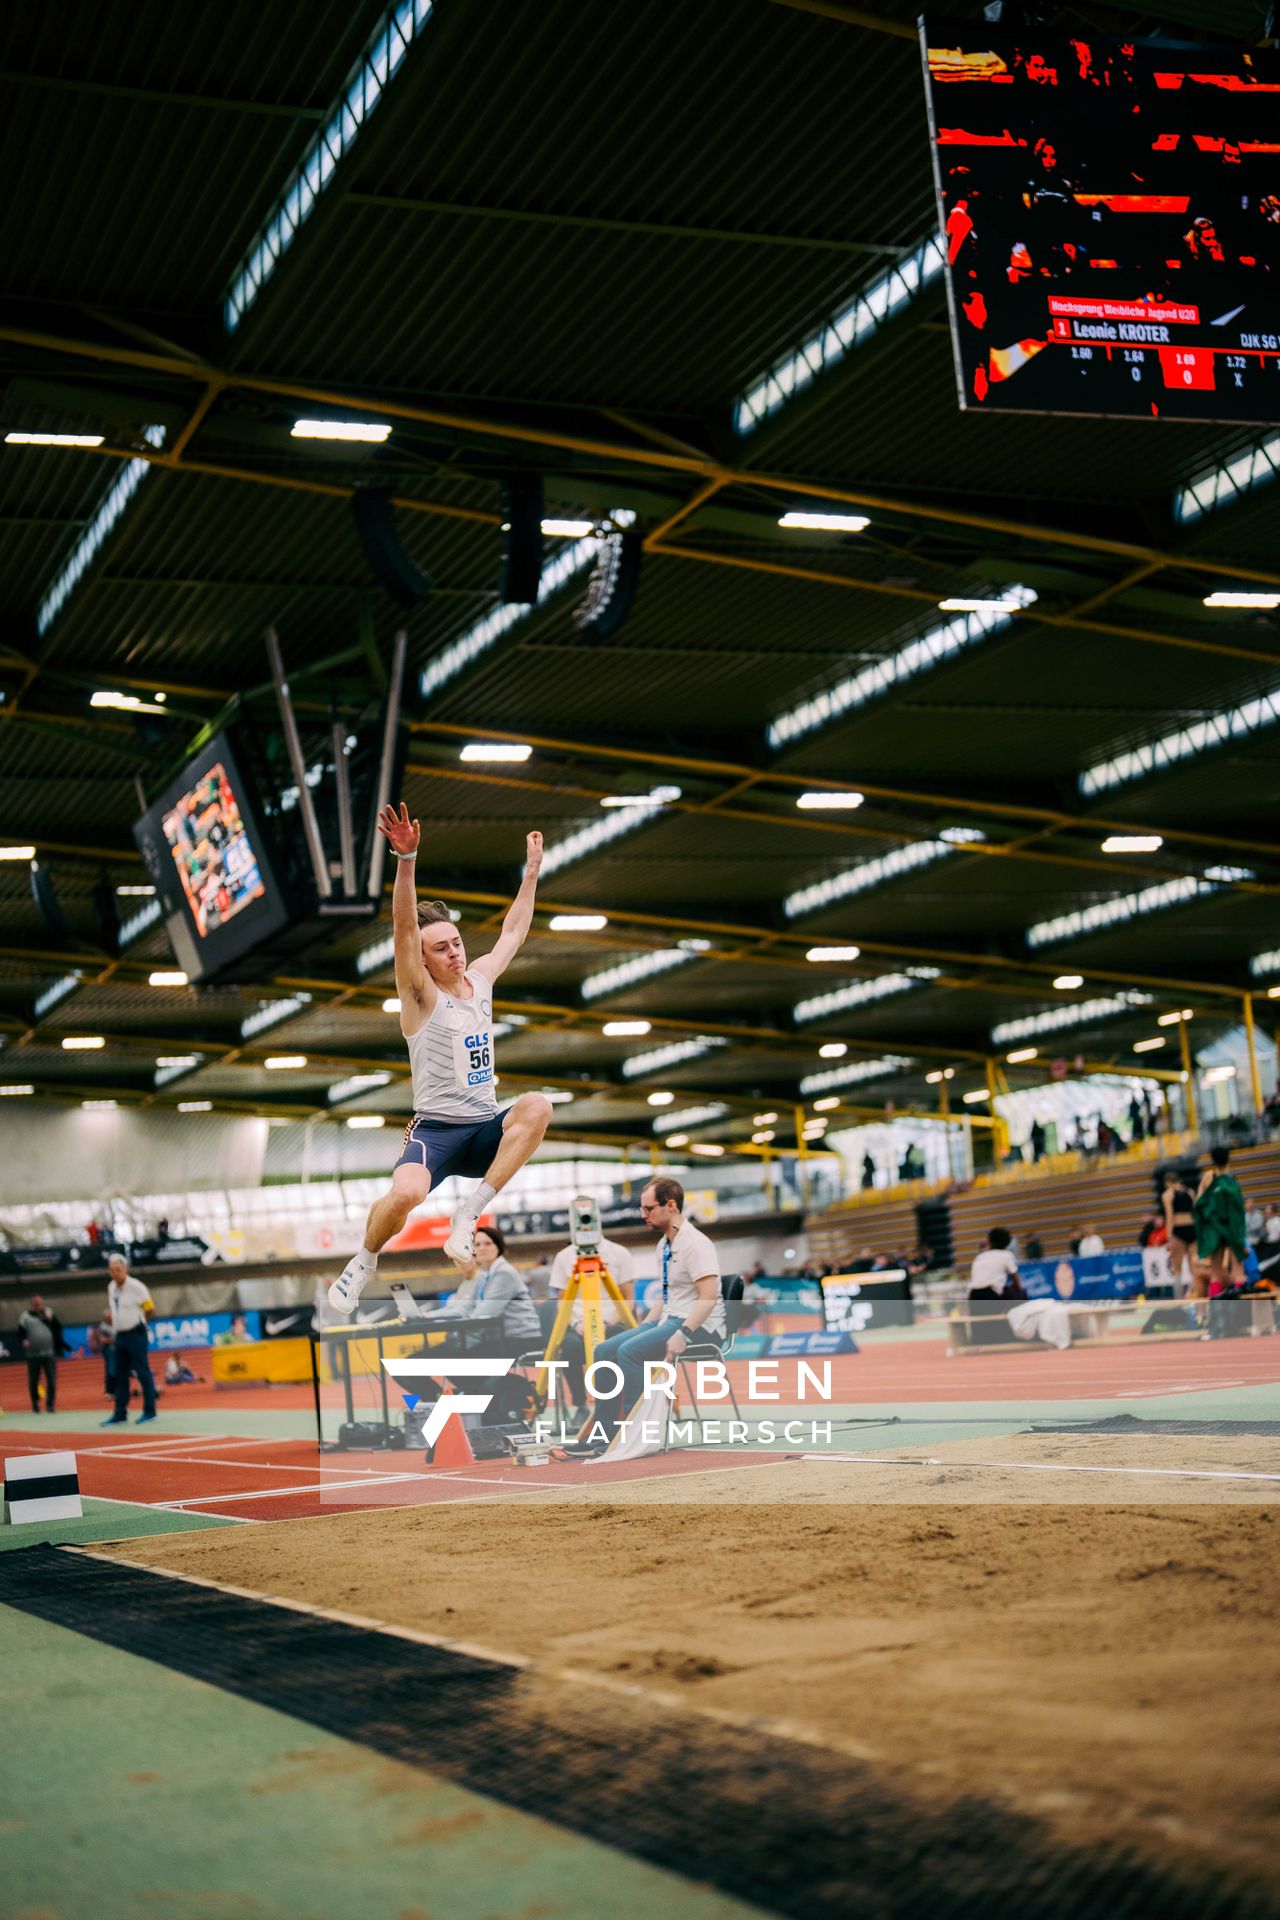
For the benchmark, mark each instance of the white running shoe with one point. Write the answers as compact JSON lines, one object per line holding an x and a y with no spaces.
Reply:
{"x":344,"y":1294}
{"x":461,"y":1245}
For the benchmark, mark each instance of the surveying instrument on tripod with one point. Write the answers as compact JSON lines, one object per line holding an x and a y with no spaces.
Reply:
{"x":590,"y":1284}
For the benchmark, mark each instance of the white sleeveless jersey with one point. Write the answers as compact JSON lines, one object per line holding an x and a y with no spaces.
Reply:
{"x":452,"y":1057}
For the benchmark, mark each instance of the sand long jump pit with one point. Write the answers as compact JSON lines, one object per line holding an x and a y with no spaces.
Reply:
{"x":1041,"y":1671}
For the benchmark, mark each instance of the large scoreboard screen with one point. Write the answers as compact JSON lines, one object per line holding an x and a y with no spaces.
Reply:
{"x":1112,"y":219}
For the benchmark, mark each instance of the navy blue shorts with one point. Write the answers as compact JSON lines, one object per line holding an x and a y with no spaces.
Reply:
{"x":445,"y":1147}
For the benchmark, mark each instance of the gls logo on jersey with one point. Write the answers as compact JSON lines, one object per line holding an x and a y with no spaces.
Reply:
{"x":448,"y":1403}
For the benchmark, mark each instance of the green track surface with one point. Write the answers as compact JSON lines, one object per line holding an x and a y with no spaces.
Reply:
{"x":105,"y":1520}
{"x":136,"y":1790}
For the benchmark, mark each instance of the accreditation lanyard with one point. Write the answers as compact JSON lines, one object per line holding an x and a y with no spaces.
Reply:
{"x":666,"y":1264}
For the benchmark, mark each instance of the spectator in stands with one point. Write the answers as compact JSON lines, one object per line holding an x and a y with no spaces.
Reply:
{"x":1253,"y":1222}
{"x":1137,"y":1128}
{"x":1219,"y":1217}
{"x":1039,"y":1140}
{"x":1152,"y":1229}
{"x":1108,"y":1140}
{"x":1271,"y":1226}
{"x":994,"y":1273}
{"x":177,"y":1373}
{"x":1270,"y":1115}
{"x":868,"y":1171}
{"x":863,"y":1262}
{"x":1035,"y":1246}
{"x":1091,"y":1242}
{"x":1073,"y":1241}
{"x":42,"y":1331}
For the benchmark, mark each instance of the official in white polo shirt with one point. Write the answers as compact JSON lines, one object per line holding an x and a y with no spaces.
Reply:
{"x":128,"y":1303}
{"x":617,"y":1258}
{"x":689,"y":1306}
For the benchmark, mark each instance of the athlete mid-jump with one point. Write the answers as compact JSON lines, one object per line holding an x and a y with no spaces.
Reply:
{"x":446,"y":1015}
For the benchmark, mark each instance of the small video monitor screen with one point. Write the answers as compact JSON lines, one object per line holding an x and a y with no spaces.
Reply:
{"x":206,"y":847}
{"x":1111,"y":210}
{"x":218,"y":868}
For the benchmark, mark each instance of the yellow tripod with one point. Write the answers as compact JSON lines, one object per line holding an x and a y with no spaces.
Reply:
{"x":591,"y":1282}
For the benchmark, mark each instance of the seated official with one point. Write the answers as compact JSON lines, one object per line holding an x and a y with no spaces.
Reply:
{"x":689,"y":1309}
{"x":493,"y":1290}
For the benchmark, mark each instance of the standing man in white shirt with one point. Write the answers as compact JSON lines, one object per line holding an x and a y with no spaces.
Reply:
{"x":129,"y":1303}
{"x":690,"y":1304}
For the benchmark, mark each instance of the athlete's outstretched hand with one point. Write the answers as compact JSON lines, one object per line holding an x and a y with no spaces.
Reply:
{"x":533,"y":851}
{"x":403,"y":833}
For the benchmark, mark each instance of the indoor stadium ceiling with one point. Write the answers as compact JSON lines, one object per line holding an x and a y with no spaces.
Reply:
{"x":579,"y":242}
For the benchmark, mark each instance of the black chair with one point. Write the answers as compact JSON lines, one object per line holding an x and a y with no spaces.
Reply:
{"x":731,"y":1289}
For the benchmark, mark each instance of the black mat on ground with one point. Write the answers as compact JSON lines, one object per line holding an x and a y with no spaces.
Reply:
{"x":795,"y":1829}
{"x":1131,"y":1423}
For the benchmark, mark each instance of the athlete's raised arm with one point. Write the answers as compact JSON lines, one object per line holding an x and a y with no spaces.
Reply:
{"x":519,"y":914}
{"x":414,"y":986}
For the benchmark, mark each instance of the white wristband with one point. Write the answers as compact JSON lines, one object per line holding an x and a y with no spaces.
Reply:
{"x":412,"y":855}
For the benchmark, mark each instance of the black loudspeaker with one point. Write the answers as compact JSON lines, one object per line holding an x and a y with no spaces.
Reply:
{"x":611,"y":590}
{"x":106,"y":917}
{"x":45,"y":895}
{"x":521,"y":539}
{"x":383,"y":549}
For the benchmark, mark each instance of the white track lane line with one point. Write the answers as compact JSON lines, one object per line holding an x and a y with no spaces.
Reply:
{"x":284,"y":1493}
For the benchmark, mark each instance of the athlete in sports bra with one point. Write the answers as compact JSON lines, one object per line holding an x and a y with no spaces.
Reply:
{"x":446,"y":1016}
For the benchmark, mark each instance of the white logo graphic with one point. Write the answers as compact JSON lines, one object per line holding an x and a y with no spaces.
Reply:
{"x":274,"y":1326}
{"x":449,"y":1403}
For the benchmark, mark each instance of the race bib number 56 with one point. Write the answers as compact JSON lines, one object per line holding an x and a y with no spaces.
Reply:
{"x":473,"y":1054}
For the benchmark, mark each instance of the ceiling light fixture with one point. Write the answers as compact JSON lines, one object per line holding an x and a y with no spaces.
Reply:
{"x":690,"y":1117}
{"x":1067,"y":982}
{"x":1266,"y":601}
{"x":763,"y":1139}
{"x":1147,"y":1046}
{"x":625,"y":1029}
{"x":1133,"y":843}
{"x":374,"y":432}
{"x":128,"y":892}
{"x":825,"y":522}
{"x":677,"y":1140}
{"x":656,"y":797}
{"x":83,"y":1042}
{"x":17,"y":853}
{"x":827,"y":1103}
{"x":833,"y":1050}
{"x":53,"y":439}
{"x":568,"y":529}
{"x":578,"y":922}
{"x":16,"y":1090}
{"x":957,"y":604}
{"x":976,"y":1097}
{"x":822,"y":799}
{"x":1021,"y":1054}
{"x":597,"y":986}
{"x":98,"y":1106}
{"x":391,"y":1006}
{"x":1175,"y":1019}
{"x":287,"y":1062}
{"x":124,"y":702}
{"x":167,"y":977}
{"x":495,"y":750}
{"x":858,"y":992}
{"x":365,"y":1122}
{"x":763,"y":1119}
{"x":819,"y":954}
{"x":195,"y":1106}
{"x":661,"y":1099}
